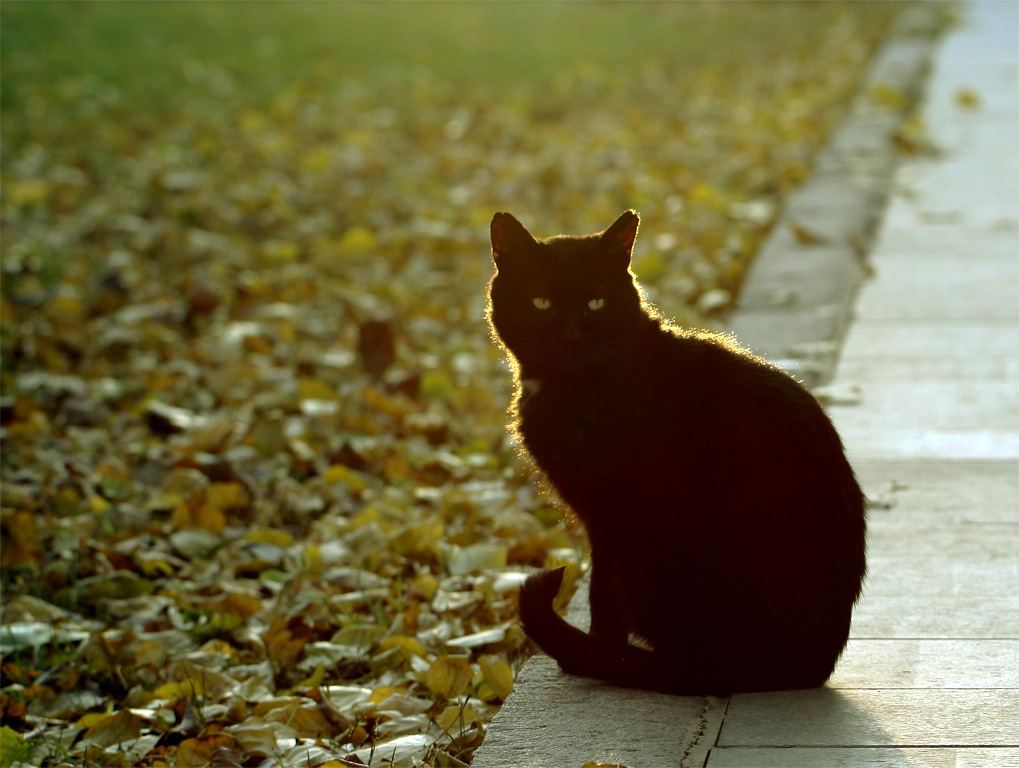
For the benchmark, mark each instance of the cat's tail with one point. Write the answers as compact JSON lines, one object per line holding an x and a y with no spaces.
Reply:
{"x":580,"y":653}
{"x":621,"y":663}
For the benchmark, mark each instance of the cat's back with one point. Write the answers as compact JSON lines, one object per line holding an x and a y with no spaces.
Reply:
{"x":712,"y":370}
{"x":726,"y":402}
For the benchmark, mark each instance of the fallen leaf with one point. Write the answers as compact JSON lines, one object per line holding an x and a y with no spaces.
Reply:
{"x":114,"y":729}
{"x":804,"y":236}
{"x":498,"y":675}
{"x":967,"y":98}
{"x":449,"y":676}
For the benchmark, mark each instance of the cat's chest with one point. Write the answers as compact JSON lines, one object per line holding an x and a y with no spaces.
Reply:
{"x":582,"y":419}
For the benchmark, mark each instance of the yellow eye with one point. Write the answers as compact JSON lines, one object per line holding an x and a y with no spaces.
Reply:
{"x":542,"y":303}
{"x":596,"y":304}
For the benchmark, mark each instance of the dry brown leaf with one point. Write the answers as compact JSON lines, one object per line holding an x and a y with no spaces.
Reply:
{"x":114,"y":729}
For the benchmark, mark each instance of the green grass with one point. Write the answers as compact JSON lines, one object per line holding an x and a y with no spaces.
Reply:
{"x":158,"y":53}
{"x":588,"y":107}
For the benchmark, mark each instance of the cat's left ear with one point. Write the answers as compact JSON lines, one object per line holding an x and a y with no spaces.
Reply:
{"x":509,"y":238}
{"x":622,"y":234}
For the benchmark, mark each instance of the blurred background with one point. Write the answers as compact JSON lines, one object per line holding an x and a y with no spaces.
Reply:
{"x":244,"y":258}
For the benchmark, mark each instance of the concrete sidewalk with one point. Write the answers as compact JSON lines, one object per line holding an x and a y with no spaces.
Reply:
{"x":931,"y":674}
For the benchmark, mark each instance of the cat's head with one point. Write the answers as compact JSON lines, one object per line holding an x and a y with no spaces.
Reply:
{"x":564,"y":302}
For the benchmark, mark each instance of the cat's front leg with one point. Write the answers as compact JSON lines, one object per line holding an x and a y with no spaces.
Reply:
{"x":607,"y":618}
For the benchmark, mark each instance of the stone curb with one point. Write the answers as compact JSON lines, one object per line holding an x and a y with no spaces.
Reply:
{"x":797,"y":299}
{"x":793,"y":309}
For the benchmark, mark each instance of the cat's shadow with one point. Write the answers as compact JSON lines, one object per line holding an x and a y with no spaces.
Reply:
{"x":815,"y":718}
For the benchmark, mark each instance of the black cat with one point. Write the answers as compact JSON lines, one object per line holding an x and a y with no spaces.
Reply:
{"x":726,"y":526}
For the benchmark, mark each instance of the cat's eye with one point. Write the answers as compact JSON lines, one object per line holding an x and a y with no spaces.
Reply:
{"x":596,"y":304}
{"x":541,"y":303}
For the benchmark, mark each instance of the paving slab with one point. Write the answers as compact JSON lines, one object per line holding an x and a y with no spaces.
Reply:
{"x":988,"y":289}
{"x":870,"y":757}
{"x":872,"y":341}
{"x":563,"y":718}
{"x":968,"y":367}
{"x":824,"y":717}
{"x":944,"y":576}
{"x":934,"y":354}
{"x":935,"y":421}
{"x":941,"y":612}
{"x":568,"y":721}
{"x":914,"y":490}
{"x":939,"y":663}
{"x":809,"y":276}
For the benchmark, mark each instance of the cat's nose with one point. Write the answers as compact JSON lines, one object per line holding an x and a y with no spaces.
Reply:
{"x":572,"y":329}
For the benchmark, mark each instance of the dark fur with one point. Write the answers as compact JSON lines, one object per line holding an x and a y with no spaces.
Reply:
{"x":726,"y":527}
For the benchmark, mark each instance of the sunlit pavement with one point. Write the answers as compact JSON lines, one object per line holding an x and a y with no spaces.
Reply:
{"x":931,"y":673}
{"x":931,"y":423}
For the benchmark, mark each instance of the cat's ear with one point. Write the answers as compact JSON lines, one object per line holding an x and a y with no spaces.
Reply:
{"x":509,"y":238}
{"x":621,"y":235}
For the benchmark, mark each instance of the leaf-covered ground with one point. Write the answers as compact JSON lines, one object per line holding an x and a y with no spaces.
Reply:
{"x":259,"y":505}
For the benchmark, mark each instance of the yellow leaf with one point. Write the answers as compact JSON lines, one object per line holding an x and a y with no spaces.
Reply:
{"x":421,"y":538}
{"x":227,"y":495}
{"x":207,"y":682}
{"x":314,"y":563}
{"x":379,"y":400}
{"x":11,"y":743}
{"x":451,"y":716}
{"x":426,"y":584}
{"x":215,"y":645}
{"x":27,"y":191}
{"x":281,"y":250}
{"x":199,"y":752}
{"x":156,"y":568}
{"x":705,"y":194}
{"x":804,"y":236}
{"x":252,"y":121}
{"x":498,"y":675}
{"x":87,"y":721}
{"x":436,"y":385}
{"x":340,"y":473}
{"x":449,"y":676}
{"x":97,"y":505}
{"x":408,"y":645}
{"x":967,"y":98}
{"x":310,"y":723}
{"x":180,"y":690}
{"x":269,"y":536}
{"x":314,"y":679}
{"x":889,"y":96}
{"x":309,"y":388}
{"x":21,"y":543}
{"x":383,"y":692}
{"x":152,"y":652}
{"x":317,"y":160}
{"x":210,"y":518}
{"x":239,"y":604}
{"x":357,"y":240}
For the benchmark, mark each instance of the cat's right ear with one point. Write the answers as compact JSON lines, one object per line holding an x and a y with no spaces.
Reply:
{"x":621,"y":235}
{"x":509,"y":238}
